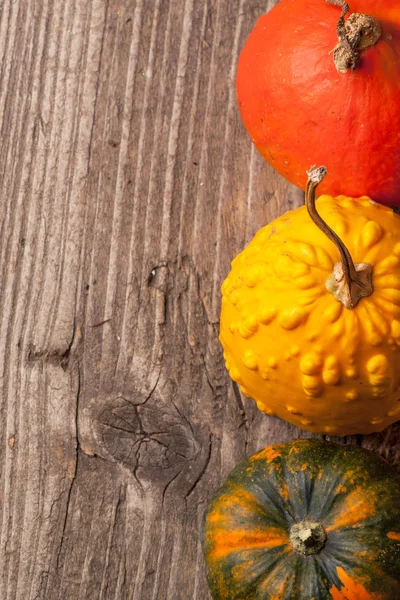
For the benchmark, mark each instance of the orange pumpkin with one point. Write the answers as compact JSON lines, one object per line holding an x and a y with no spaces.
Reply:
{"x":299,"y":108}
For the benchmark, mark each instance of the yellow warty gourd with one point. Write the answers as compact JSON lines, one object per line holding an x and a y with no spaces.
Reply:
{"x":293,"y":346}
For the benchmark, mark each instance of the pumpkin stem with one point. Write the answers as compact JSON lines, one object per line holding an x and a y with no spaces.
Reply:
{"x":349,"y":282}
{"x":357,"y":33}
{"x":307,"y":537}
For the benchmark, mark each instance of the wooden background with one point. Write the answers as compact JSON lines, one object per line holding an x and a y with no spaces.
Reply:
{"x":127,"y":185}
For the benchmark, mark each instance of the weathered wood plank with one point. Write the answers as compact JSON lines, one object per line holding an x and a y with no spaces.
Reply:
{"x":128,"y":184}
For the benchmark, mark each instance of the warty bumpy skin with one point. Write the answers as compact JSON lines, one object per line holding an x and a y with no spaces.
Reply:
{"x":291,"y":346}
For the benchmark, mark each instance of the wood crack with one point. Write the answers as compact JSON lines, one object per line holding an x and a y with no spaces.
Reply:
{"x":242,"y":412}
{"x":59,"y":357}
{"x":203,"y":470}
{"x":75,"y":472}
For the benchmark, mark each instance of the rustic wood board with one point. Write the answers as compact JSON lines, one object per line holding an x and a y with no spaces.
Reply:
{"x":128,"y":185}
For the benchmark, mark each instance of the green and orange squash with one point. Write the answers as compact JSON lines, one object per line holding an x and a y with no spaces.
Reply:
{"x":306,"y":520}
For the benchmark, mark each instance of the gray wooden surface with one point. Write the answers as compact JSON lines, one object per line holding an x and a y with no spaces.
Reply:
{"x":127,"y":186}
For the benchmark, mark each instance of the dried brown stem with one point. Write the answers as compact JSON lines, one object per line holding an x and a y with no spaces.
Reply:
{"x":357,"y":33}
{"x":349,"y":282}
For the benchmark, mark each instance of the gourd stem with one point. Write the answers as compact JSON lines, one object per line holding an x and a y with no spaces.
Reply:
{"x":355,"y":280}
{"x":340,"y":28}
{"x":358,"y":32}
{"x":307,"y":537}
{"x":315,"y":176}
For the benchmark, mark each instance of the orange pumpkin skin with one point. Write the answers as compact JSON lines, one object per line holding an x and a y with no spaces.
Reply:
{"x":299,"y":110}
{"x":247,"y":535}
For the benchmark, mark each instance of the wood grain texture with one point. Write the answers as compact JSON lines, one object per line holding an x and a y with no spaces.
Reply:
{"x":127,"y":185}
